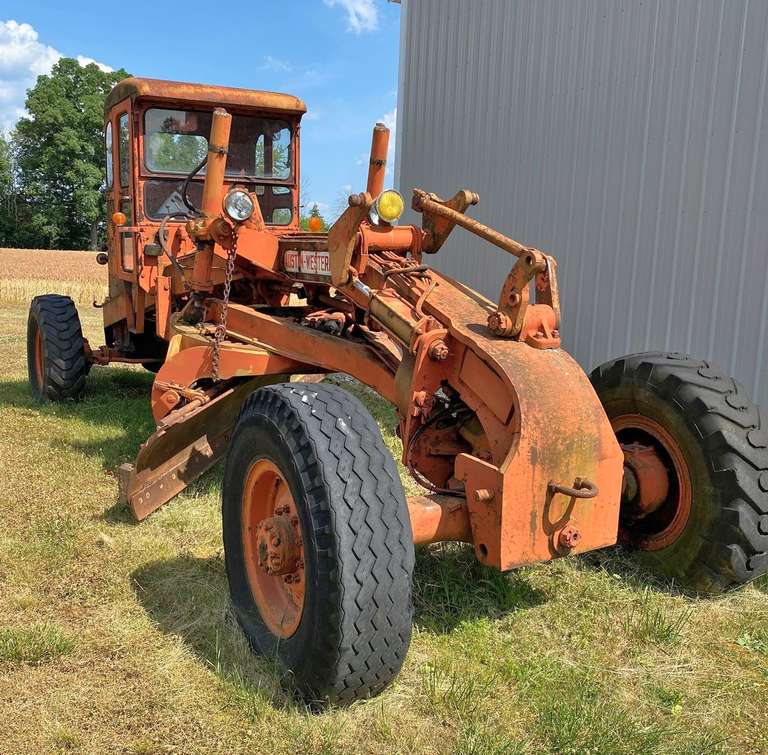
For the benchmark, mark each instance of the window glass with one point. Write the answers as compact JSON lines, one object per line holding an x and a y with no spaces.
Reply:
{"x":281,"y":216}
{"x":162,"y":197}
{"x":273,"y":152}
{"x":108,"y":148}
{"x":177,"y":140}
{"x":127,"y":254}
{"x":174,"y":142}
{"x":125,"y":151}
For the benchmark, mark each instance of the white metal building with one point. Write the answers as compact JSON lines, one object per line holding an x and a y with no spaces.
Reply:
{"x":629,"y":138}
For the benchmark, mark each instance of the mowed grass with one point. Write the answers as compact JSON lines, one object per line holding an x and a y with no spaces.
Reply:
{"x":116,"y":637}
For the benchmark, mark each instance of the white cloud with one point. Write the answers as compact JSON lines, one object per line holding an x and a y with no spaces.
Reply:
{"x":84,"y":61}
{"x":362,"y":15}
{"x":23,"y":57}
{"x":275,"y":64}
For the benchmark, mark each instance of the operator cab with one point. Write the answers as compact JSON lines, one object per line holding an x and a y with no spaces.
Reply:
{"x":156,"y":134}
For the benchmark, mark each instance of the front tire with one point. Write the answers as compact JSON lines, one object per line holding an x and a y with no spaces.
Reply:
{"x":55,"y":349}
{"x":317,"y":541}
{"x":711,"y":531}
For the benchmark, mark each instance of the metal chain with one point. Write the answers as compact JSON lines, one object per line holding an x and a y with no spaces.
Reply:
{"x":221,"y":327}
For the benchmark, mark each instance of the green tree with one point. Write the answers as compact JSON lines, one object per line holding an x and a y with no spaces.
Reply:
{"x":313,"y":213}
{"x":59,"y":151}
{"x":7,"y":197}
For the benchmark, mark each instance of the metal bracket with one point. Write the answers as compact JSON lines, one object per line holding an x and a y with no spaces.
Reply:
{"x":509,"y":318}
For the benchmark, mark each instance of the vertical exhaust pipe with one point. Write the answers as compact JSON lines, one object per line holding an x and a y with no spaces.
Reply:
{"x":218,"y":144}
{"x":213,"y":190}
{"x":378,"y":163}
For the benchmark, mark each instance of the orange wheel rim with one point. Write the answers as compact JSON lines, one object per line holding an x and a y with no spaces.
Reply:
{"x":670,"y":521}
{"x":39,"y":357}
{"x":273,"y":548}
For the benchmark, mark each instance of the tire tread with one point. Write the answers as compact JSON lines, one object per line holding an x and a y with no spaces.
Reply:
{"x":732,"y":432}
{"x":355,"y":494}
{"x":65,"y":366}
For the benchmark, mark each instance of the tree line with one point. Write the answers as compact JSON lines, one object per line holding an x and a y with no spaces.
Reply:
{"x":52,"y":175}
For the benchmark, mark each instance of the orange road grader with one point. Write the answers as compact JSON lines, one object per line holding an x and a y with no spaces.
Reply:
{"x":215,"y":288}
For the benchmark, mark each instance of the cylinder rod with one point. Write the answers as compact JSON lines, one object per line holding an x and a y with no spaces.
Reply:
{"x":425,"y":205}
{"x":439,"y":518}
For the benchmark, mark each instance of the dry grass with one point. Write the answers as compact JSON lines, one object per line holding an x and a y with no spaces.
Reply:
{"x":26,"y":273}
{"x":115,"y":637}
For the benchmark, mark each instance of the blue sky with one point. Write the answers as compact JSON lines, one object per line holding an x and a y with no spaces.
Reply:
{"x":340,"y":56}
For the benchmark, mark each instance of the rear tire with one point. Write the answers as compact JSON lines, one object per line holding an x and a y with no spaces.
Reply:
{"x":714,"y":436}
{"x":55,"y":349}
{"x":342,"y":625}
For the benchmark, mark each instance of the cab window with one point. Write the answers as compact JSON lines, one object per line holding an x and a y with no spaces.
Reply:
{"x":108,"y":149}
{"x":176,"y":141}
{"x":125,"y":151}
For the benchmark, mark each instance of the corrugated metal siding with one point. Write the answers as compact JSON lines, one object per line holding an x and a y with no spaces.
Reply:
{"x":626,"y":137}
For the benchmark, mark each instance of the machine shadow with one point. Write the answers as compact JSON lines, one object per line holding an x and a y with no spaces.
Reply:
{"x":450,"y":587}
{"x":187,"y":597}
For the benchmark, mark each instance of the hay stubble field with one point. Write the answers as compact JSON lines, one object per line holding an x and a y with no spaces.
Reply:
{"x":116,"y":637}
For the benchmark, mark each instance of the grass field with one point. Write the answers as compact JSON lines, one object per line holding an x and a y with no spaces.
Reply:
{"x":115,"y":637}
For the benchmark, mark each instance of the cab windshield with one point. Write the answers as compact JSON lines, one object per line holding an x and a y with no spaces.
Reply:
{"x":177,"y":140}
{"x":259,"y":156}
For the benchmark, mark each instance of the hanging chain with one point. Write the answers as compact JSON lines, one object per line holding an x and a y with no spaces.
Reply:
{"x":221,"y":327}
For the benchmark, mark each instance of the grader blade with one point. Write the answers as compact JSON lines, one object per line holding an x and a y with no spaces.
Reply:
{"x":184,"y":446}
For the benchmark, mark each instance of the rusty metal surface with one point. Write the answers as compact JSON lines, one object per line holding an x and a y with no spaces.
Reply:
{"x":507,"y":432}
{"x":560,"y":432}
{"x":438,"y":518}
{"x":195,"y":363}
{"x":429,"y":205}
{"x":311,"y":347}
{"x":649,"y":478}
{"x":134,"y":88}
{"x":180,"y":452}
{"x":377,"y":163}
{"x":342,"y":237}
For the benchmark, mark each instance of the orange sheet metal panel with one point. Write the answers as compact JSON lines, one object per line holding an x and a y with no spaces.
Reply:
{"x":203,"y":93}
{"x":564,"y":434}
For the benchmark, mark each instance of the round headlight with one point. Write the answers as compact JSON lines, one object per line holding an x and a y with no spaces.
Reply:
{"x":388,"y":206}
{"x":238,"y":204}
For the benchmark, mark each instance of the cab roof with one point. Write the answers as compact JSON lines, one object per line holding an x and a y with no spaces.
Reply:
{"x":177,"y":91}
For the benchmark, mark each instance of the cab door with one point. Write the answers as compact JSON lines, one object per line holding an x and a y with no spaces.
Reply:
{"x":126,"y":233}
{"x":121,"y":237}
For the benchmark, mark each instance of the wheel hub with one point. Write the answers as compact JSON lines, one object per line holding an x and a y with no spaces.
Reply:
{"x":273,"y":548}
{"x":276,"y":544}
{"x":646,"y":480}
{"x":657,"y":494}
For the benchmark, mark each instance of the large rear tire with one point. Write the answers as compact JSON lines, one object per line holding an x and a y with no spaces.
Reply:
{"x":55,"y":349}
{"x":711,"y":531}
{"x":317,"y":541}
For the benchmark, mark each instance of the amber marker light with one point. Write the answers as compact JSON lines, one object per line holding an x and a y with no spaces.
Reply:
{"x":315,"y":224}
{"x":118,"y":218}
